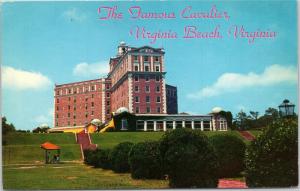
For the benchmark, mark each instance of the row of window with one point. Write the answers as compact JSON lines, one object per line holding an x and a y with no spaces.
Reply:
{"x":148,"y":110}
{"x":86,"y":106}
{"x":146,"y":58}
{"x":146,"y":68}
{"x":137,"y":99}
{"x":147,"y":78}
{"x":76,"y":90}
{"x":147,"y":89}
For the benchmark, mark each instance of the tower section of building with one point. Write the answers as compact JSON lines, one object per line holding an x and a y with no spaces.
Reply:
{"x":138,"y":80}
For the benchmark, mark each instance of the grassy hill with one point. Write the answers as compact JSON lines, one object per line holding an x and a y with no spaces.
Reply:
{"x":110,"y":139}
{"x":25,"y":147}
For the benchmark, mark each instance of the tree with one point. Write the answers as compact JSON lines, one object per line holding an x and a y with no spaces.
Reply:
{"x":7,"y":127}
{"x":241,"y":120}
{"x":272,"y":112}
{"x":254,"y":114}
{"x":228,"y":117}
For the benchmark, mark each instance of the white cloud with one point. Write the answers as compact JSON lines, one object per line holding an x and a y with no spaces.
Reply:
{"x":74,"y":15}
{"x":17,"y":79}
{"x":41,"y":119}
{"x":85,"y":69}
{"x":232,"y":82}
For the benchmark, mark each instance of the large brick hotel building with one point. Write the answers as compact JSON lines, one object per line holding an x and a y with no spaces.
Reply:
{"x":136,"y":80}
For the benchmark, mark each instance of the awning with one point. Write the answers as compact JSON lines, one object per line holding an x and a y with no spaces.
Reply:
{"x":49,"y":146}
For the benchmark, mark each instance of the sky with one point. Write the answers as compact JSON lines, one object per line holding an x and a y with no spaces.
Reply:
{"x":48,"y":43}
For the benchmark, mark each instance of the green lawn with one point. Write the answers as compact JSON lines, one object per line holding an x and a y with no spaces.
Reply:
{"x":39,"y":138}
{"x":71,"y":176}
{"x":25,"y":147}
{"x":110,"y":139}
{"x":23,"y":159}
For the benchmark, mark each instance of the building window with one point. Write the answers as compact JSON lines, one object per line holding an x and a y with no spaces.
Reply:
{"x":158,"y":99}
{"x":147,"y":89}
{"x":156,"y":58}
{"x":107,"y":94}
{"x":69,"y":107}
{"x":157,"y":88}
{"x":147,"y":99}
{"x":137,"y":110}
{"x":70,"y":91}
{"x":74,"y":124}
{"x":92,"y":104}
{"x":137,"y":99}
{"x":146,"y":68}
{"x":107,"y":103}
{"x":92,"y":112}
{"x":135,"y":58}
{"x":136,"y":67}
{"x":86,"y":115}
{"x":147,"y":79}
{"x":74,"y":108}
{"x":107,"y":111}
{"x":93,"y":88}
{"x":57,"y":116}
{"x":157,"y":68}
{"x":68,"y":123}
{"x":56,"y":124}
{"x":57,"y":92}
{"x":146,"y":58}
{"x":86,"y":99}
{"x":136,"y":78}
{"x":57,"y":108}
{"x":148,"y":110}
{"x":74,"y":100}
{"x":57,"y":100}
{"x":158,"y":109}
{"x":157,"y":78}
{"x":92,"y":95}
{"x":69,"y":114}
{"x":74,"y":117}
{"x":136,"y":88}
{"x":107,"y":87}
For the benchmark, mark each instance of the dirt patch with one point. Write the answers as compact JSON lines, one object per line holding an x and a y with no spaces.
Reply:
{"x":71,"y":177}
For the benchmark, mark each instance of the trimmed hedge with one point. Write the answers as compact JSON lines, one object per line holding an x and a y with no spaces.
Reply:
{"x":231,"y":154}
{"x":145,"y":161}
{"x":189,"y":159}
{"x":272,"y":159}
{"x":119,"y":157}
{"x":98,"y":158}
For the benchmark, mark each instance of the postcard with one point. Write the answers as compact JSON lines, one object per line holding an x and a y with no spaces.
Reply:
{"x":149,"y":94}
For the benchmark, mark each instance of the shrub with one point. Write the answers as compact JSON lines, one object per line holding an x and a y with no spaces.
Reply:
{"x":189,"y":159}
{"x":231,"y":154}
{"x":119,"y":157}
{"x":145,"y":160}
{"x":89,"y":157}
{"x":104,"y":159}
{"x":271,"y":160}
{"x":98,"y":158}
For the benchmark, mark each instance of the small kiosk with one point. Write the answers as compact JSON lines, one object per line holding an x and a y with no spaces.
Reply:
{"x":47,"y":146}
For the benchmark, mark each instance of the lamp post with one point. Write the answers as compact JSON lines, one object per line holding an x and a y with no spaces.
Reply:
{"x":286,"y":108}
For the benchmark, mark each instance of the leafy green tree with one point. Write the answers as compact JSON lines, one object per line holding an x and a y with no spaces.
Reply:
{"x":241,"y":120}
{"x":7,"y":127}
{"x":228,"y":117}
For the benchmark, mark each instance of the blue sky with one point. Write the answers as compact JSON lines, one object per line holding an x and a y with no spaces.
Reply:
{"x":60,"y":42}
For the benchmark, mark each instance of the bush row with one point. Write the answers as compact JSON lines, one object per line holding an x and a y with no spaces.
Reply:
{"x":189,"y":159}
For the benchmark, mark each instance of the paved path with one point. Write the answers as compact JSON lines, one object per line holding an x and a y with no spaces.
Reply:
{"x":85,"y":141}
{"x":247,"y":135}
{"x":223,"y":183}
